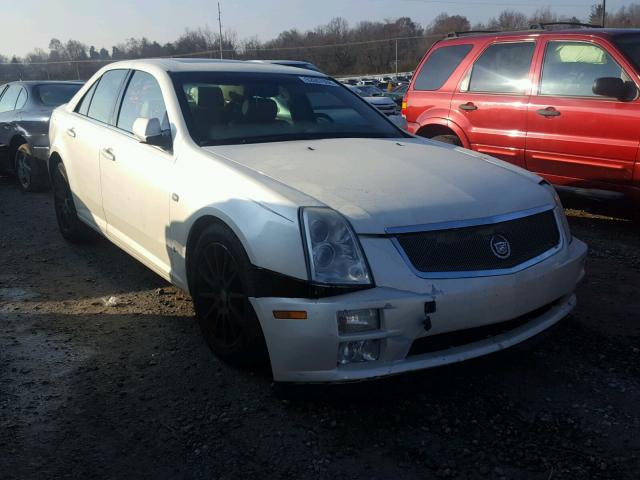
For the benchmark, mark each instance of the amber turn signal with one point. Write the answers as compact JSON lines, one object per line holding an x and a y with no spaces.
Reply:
{"x":290,"y":314}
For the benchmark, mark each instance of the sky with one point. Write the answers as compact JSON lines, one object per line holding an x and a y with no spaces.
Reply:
{"x":28,"y":24}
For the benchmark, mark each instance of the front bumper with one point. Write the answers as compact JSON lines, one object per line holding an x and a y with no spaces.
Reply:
{"x":306,"y":350}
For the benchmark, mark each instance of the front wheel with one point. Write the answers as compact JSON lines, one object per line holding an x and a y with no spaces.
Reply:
{"x":221,"y":283}
{"x":71,"y":228}
{"x":450,"y":139}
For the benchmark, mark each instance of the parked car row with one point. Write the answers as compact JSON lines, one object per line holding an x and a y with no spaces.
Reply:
{"x":305,"y":224}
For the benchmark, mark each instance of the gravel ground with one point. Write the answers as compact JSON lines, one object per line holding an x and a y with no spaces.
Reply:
{"x":104,"y":374}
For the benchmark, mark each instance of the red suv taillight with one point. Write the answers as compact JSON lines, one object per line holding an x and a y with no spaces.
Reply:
{"x":403,"y":110}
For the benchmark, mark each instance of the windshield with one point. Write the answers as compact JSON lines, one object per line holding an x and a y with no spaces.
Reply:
{"x":630,"y":46}
{"x":55,"y":94}
{"x":233,"y":108}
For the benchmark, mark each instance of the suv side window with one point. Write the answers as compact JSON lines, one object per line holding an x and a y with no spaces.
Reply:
{"x":105,"y":96}
{"x":570,"y":68}
{"x":502,"y":68}
{"x":8,"y":100}
{"x":437,"y":69}
{"x":143,"y":98}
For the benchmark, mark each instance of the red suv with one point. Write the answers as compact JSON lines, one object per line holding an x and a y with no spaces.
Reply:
{"x":562,"y":103}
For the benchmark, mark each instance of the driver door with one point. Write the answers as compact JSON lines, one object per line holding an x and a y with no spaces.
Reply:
{"x":576,"y":137}
{"x":136,"y":177}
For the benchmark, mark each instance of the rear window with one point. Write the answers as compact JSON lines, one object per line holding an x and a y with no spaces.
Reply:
{"x":53,"y":95}
{"x":439,"y":66}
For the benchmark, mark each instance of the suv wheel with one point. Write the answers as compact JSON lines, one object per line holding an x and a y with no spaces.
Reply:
{"x":450,"y":139}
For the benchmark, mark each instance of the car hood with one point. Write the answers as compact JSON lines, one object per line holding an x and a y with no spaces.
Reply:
{"x":382,"y":183}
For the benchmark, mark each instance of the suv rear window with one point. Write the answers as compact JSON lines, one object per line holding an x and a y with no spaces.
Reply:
{"x":439,"y":66}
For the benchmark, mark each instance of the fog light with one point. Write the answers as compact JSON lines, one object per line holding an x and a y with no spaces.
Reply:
{"x":358,"y":351}
{"x":352,"y":321}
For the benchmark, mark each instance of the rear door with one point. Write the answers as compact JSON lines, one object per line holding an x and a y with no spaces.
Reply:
{"x":491,"y":102}
{"x":136,"y":178}
{"x":83,"y":131}
{"x":576,"y":137}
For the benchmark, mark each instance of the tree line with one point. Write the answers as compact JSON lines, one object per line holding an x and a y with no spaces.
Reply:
{"x":337,"y":47}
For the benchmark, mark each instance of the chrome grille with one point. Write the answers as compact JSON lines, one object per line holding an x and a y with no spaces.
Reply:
{"x":482,"y":247}
{"x":387,"y":109}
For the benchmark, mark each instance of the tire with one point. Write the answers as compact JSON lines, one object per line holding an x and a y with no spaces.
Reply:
{"x":71,"y":227}
{"x":450,"y":139}
{"x":27,"y":171}
{"x":221,"y":282}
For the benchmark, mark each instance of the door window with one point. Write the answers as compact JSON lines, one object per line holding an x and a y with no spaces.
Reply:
{"x":502,"y":68}
{"x":8,"y":100}
{"x":83,"y":105}
{"x":143,"y":98}
{"x":22,"y":99}
{"x":437,"y":69}
{"x":570,"y":68}
{"x":105,"y":96}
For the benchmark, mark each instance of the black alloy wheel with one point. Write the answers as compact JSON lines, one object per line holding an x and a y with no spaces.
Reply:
{"x":221,"y":285}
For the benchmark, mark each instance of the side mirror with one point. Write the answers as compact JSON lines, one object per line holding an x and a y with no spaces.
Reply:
{"x":614,"y":87}
{"x":149,"y":131}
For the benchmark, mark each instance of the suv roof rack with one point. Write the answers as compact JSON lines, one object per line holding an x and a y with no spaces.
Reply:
{"x":541,"y":26}
{"x":469,"y":32}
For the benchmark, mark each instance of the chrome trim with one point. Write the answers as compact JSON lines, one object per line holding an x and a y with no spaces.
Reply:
{"x":472,"y":222}
{"x":483,"y":221}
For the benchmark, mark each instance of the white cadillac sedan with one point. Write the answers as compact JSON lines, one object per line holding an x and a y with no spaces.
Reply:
{"x":301,"y":220}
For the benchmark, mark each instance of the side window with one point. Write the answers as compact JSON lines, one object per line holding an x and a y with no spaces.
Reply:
{"x":437,"y":69}
{"x":22,"y":99}
{"x":570,"y":68}
{"x":502,"y":68}
{"x":8,"y":100}
{"x":143,"y":98}
{"x":105,"y":96}
{"x":83,"y":105}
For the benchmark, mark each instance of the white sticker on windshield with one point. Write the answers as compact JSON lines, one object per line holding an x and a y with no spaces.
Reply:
{"x":319,"y":81}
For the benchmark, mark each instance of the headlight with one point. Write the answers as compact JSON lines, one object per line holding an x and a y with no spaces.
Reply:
{"x":333,"y":250}
{"x":559,"y":210}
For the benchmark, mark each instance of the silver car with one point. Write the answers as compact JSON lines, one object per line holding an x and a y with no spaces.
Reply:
{"x":25,"y":108}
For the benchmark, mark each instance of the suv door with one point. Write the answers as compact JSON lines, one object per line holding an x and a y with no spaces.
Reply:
{"x":576,"y":137}
{"x":83,"y":133}
{"x":491,"y":102}
{"x":136,"y":178}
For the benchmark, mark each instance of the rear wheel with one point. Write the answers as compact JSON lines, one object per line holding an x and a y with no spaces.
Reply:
{"x":450,"y":139}
{"x":71,"y":228}
{"x":30,"y":179}
{"x":221,"y":284}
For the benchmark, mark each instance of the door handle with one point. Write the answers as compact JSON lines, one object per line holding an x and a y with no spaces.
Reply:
{"x":468,"y":107}
{"x":548,"y":112}
{"x":71,"y":132}
{"x":108,"y":154}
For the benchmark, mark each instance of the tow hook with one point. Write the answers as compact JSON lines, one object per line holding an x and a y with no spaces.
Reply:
{"x":429,"y":307}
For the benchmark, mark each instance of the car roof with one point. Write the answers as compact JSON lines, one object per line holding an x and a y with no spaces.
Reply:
{"x":48,"y":82}
{"x":593,"y":32}
{"x":210,"y":65}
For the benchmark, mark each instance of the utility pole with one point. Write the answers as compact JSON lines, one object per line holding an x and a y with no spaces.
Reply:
{"x":604,"y":11}
{"x":220,"y":28}
{"x":396,"y":57}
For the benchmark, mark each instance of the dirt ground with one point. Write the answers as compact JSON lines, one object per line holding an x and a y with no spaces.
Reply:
{"x":104,"y":374}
